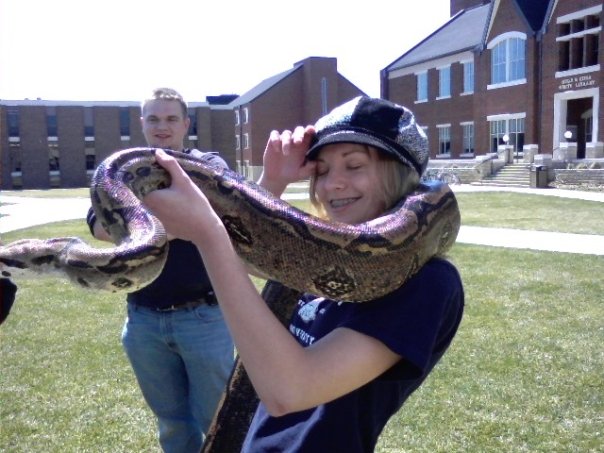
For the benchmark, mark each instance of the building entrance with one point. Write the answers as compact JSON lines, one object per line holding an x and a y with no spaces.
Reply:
{"x":579,"y":119}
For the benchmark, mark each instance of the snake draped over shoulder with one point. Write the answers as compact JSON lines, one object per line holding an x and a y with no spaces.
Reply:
{"x":277,"y":241}
{"x":295,"y":251}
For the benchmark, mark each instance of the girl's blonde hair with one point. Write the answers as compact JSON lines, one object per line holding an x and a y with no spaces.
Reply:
{"x":398,"y":180}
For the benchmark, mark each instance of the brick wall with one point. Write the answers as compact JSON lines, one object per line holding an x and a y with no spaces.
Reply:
{"x":70,"y":125}
{"x":583,"y":176}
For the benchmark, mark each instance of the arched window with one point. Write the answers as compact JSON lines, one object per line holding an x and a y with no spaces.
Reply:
{"x":508,"y":58}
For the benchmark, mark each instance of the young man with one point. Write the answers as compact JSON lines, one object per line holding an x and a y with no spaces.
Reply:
{"x":175,"y":336}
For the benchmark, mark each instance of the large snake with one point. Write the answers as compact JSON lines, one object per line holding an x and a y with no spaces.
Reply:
{"x":279,"y":242}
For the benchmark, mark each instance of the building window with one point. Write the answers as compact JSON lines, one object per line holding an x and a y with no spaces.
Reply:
{"x":51,"y":121}
{"x":468,"y":77}
{"x":12,"y":114}
{"x":497,"y":132}
{"x":53,"y":156}
{"x":444,"y":139}
{"x":236,"y":117}
{"x":14,"y":147}
{"x":578,"y":37}
{"x":246,"y":115}
{"x":193,"y":124}
{"x":14,"y":155}
{"x":516,"y":133}
{"x":422,"y":86}
{"x":90,"y":154}
{"x":54,"y":169}
{"x":324,"y":93}
{"x":508,"y":59}
{"x":444,"y":82}
{"x":237,"y":142}
{"x":468,"y":138}
{"x":125,"y":123}
{"x":246,"y":141}
{"x":513,"y":127}
{"x":88,"y":122}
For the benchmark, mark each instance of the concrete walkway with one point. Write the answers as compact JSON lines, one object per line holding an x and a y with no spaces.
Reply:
{"x":589,"y":244}
{"x":22,"y":212}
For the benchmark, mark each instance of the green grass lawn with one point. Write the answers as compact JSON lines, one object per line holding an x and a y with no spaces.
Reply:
{"x":487,"y":209}
{"x":524,"y":373}
{"x":531,"y":212}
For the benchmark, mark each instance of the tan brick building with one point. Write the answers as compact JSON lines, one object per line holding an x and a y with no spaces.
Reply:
{"x":522,"y":72}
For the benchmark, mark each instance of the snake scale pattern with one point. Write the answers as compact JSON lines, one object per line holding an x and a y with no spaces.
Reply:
{"x":345,"y":262}
{"x":352,"y":263}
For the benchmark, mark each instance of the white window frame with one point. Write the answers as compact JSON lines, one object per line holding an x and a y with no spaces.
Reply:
{"x":468,"y":141}
{"x":246,"y":115}
{"x":444,"y":82}
{"x":505,"y":120}
{"x":444,"y":137}
{"x":468,"y":77}
{"x":504,"y":43}
{"x":246,"y":141}
{"x":422,"y":87}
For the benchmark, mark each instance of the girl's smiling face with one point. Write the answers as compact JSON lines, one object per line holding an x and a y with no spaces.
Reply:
{"x":348,"y":182}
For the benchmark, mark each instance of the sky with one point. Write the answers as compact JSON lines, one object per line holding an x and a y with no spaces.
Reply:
{"x":119,"y":50}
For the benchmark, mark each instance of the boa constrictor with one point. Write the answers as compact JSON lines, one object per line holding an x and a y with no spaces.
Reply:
{"x":353,"y":263}
{"x":276,"y":240}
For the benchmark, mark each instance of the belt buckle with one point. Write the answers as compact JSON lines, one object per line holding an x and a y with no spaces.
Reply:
{"x":167,"y":309}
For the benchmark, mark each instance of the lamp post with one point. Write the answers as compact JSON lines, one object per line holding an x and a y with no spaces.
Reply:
{"x":506,"y":139}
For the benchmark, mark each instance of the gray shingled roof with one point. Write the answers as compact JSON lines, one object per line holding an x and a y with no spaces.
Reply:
{"x":463,"y":32}
{"x":263,"y":86}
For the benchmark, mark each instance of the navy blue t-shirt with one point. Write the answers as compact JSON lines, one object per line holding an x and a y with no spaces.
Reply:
{"x":417,"y":321}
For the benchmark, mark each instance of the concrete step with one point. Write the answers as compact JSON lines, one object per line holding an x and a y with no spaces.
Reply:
{"x":512,"y":175}
{"x":485,"y":182}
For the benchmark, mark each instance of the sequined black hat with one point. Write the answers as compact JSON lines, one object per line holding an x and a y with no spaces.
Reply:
{"x":376,"y":122}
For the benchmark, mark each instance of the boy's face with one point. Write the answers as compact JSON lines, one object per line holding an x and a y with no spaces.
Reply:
{"x":163,"y":124}
{"x":348,"y":183}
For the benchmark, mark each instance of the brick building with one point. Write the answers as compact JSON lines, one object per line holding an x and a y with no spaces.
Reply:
{"x":521,"y":73}
{"x":46,"y":144}
{"x":300,"y":95}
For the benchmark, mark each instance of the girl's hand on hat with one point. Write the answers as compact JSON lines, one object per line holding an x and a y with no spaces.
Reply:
{"x":285,"y":159}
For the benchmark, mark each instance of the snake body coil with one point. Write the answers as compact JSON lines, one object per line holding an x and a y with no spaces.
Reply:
{"x":278,"y":241}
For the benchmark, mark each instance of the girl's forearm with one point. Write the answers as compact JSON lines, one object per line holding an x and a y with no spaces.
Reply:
{"x":270,"y":354}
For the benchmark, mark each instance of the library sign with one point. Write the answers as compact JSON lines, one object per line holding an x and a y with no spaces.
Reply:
{"x":576,"y":82}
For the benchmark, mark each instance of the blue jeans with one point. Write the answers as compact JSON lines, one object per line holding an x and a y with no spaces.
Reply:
{"x":182,"y":361}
